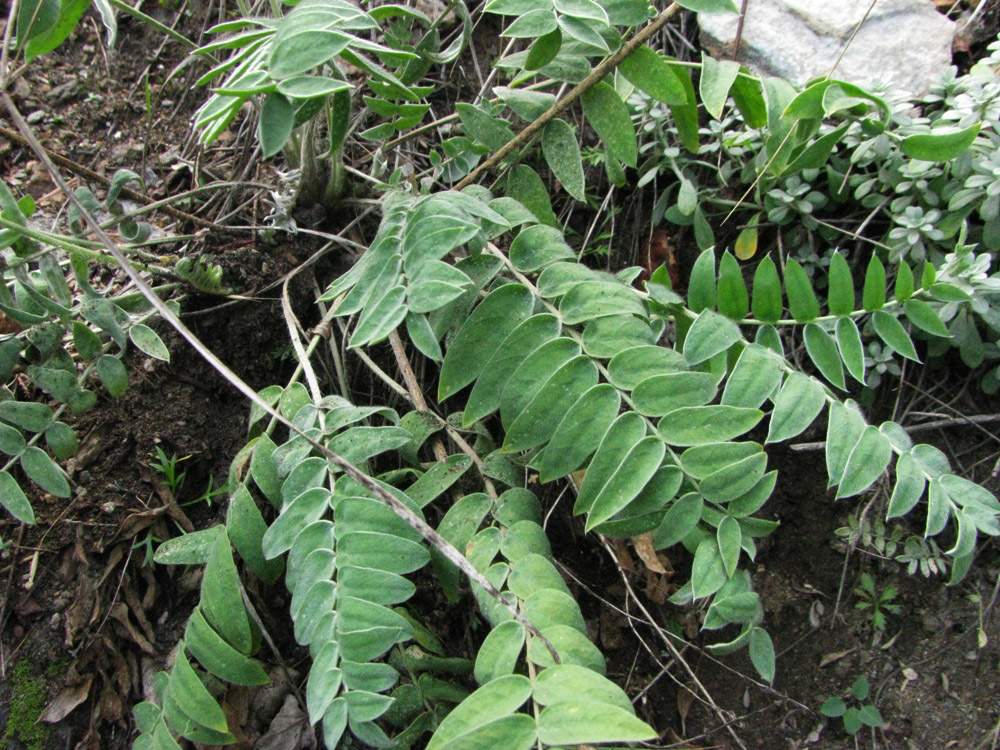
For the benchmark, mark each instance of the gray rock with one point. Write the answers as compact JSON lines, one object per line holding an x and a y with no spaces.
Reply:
{"x":906,"y":43}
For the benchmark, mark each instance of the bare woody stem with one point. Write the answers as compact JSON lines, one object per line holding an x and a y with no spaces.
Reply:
{"x":596,"y":75}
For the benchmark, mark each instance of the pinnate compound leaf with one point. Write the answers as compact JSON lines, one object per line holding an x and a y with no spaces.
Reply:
{"x":766,"y":305}
{"x":799,"y":402}
{"x":608,"y":115}
{"x":710,"y":334}
{"x":717,"y":76}
{"x":14,"y":500}
{"x":869,"y":458}
{"x":488,"y":325}
{"x":575,"y":721}
{"x":492,"y":705}
{"x":823,"y":352}
{"x":891,"y":331}
{"x":801,"y":298}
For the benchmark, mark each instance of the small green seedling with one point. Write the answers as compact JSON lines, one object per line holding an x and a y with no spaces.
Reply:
{"x":168,"y":468}
{"x":857,"y":713}
{"x":879,"y":603}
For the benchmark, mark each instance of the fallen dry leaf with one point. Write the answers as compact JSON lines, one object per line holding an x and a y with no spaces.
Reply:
{"x":647,"y":553}
{"x":836,"y":656}
{"x":290,"y":730}
{"x":68,"y":698}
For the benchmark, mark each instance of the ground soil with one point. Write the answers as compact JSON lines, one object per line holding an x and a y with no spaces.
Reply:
{"x":92,"y":618}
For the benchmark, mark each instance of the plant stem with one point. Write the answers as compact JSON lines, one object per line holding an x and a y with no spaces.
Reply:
{"x":607,"y":65}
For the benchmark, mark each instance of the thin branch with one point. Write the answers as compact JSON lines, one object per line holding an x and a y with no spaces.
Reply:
{"x":596,"y":75}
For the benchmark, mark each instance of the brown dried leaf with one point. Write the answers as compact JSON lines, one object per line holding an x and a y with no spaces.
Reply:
{"x":647,"y":553}
{"x":290,"y":730}
{"x":836,"y":656}
{"x":623,"y":555}
{"x":68,"y":698}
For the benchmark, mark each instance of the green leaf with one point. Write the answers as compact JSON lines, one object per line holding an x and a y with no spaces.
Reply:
{"x":635,"y":470}
{"x":528,"y":105}
{"x":841,"y":296}
{"x":823,"y":352}
{"x":277,"y":119}
{"x":799,"y":402}
{"x":88,"y":343}
{"x":734,"y":480}
{"x":536,"y":424}
{"x":526,"y":187}
{"x":192,"y":697}
{"x":568,"y":682}
{"x":44,"y":472}
{"x":113,"y":375}
{"x":512,"y":351}
{"x":709,"y":6}
{"x":734,"y":302}
{"x":60,"y":438}
{"x":193,"y":548}
{"x":716,"y":79}
{"x":891,"y":331}
{"x":302,"y":51}
{"x":544,"y":50}
{"x":42,"y":41}
{"x":801,"y":298}
{"x":483,"y":127}
{"x":762,"y":654}
{"x":500,"y":652}
{"x":14,"y":500}
{"x":905,"y":283}
{"x":246,"y":526}
{"x":380,"y":319}
{"x":538,"y":246}
{"x":147,"y":340}
{"x":29,"y":415}
{"x":867,"y":461}
{"x":833,"y":707}
{"x":598,"y":299}
{"x":576,"y":721}
{"x":754,"y":379}
{"x":729,"y":537}
{"x":488,"y":325}
{"x":925,"y":318}
{"x":491,"y":706}
{"x":710,"y":334}
{"x":648,"y":71}
{"x":680,"y":520}
{"x":221,"y":601}
{"x":532,"y":374}
{"x":562,"y":153}
{"x":708,"y":573}
{"x":218,"y":657}
{"x":531,"y":25}
{"x":608,"y":115}
{"x":701,"y":286}
{"x":698,"y":425}
{"x":944,"y":144}
{"x":11,"y":440}
{"x":873,"y":296}
{"x":661,"y":394}
{"x":310,"y":87}
{"x":844,"y":427}
{"x":851,"y":349}
{"x":624,"y":433}
{"x":910,"y":486}
{"x":36,"y":17}
{"x":766,"y":304}
{"x":631,"y":366}
{"x":578,"y":433}
{"x":746,"y":92}
{"x":610,"y":335}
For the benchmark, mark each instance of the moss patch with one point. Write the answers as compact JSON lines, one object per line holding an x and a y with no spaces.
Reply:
{"x":27,"y":701}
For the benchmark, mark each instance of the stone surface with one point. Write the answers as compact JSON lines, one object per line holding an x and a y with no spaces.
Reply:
{"x":906,"y":43}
